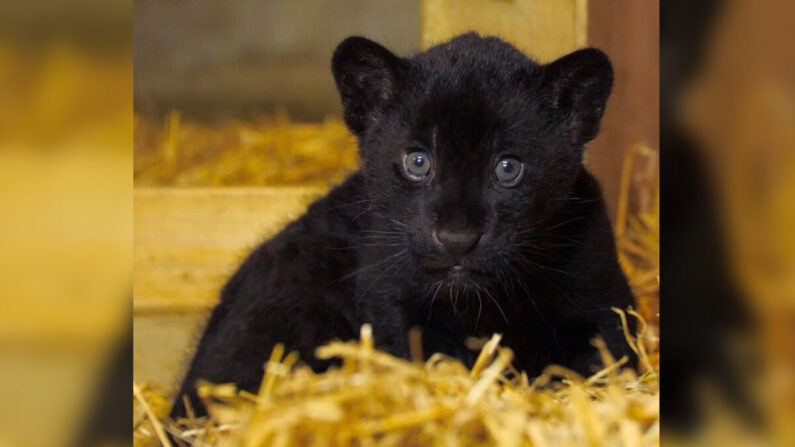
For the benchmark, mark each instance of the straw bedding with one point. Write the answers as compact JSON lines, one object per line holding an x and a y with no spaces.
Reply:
{"x":377,"y":399}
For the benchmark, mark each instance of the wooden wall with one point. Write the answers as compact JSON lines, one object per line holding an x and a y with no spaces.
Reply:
{"x":542,"y":29}
{"x":629,"y":32}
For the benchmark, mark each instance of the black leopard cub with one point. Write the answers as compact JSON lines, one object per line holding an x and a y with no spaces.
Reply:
{"x":471,"y":214}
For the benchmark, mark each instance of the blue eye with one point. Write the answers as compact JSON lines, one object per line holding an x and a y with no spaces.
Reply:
{"x":417,"y":165}
{"x":508,"y":171}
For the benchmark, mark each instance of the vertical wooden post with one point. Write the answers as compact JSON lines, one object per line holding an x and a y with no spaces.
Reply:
{"x":543,"y":29}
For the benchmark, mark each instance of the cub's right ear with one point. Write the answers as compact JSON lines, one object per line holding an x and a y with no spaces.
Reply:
{"x":368,"y":78}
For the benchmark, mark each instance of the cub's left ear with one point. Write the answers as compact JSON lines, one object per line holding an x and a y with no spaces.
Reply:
{"x":576,"y":87}
{"x":368,"y":77}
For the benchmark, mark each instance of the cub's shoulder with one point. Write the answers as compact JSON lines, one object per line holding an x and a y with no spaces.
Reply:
{"x":317,"y":246}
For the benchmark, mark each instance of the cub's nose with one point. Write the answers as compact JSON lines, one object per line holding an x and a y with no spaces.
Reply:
{"x":457,"y":242}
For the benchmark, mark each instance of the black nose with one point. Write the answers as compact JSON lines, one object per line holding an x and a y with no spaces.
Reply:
{"x":457,"y":242}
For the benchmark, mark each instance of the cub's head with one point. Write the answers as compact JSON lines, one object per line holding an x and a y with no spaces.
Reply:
{"x":469,"y":147}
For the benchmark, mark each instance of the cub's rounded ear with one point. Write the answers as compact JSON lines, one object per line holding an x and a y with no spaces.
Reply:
{"x":368,"y":78}
{"x":576,"y":87}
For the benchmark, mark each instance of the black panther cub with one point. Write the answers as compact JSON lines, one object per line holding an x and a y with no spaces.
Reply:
{"x":471,"y":214}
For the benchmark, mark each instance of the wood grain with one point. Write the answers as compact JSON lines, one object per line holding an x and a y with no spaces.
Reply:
{"x":541,"y":28}
{"x":188,"y":241}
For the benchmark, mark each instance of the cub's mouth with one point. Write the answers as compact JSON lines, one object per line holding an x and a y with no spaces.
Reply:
{"x":456,"y":274}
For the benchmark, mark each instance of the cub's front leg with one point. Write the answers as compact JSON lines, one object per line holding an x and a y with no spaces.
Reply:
{"x":388,"y":319}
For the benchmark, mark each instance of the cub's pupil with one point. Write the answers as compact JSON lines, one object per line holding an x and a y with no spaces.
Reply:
{"x":508,"y":170}
{"x":417,"y":165}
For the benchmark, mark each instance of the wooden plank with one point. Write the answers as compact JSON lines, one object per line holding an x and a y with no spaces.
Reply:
{"x":189,"y":240}
{"x":163,"y":345}
{"x":541,"y":28}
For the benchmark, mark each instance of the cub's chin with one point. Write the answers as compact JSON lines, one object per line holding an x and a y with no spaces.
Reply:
{"x":458,"y":276}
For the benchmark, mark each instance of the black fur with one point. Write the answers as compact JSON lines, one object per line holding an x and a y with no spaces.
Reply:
{"x":544,"y":271}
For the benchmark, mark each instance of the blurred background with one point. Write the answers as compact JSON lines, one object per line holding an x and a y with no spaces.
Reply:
{"x":66,"y":127}
{"x":728,"y":158}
